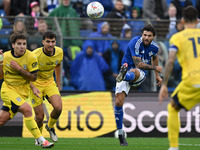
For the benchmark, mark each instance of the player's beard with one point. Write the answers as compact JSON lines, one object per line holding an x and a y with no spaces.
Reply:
{"x":146,"y":42}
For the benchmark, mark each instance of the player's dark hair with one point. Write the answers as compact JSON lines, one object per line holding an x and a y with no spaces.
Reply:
{"x":190,"y":14}
{"x":49,"y":34}
{"x":149,"y":28}
{"x":15,"y":36}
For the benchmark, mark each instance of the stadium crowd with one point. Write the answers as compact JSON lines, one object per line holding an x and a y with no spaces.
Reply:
{"x":106,"y":38}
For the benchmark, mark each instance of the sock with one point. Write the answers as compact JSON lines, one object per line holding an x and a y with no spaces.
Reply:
{"x":32,"y":127}
{"x":120,"y":131}
{"x":119,"y":116}
{"x":51,"y":122}
{"x":41,"y":129}
{"x":173,"y":124}
{"x":41,"y":139}
{"x":129,"y":76}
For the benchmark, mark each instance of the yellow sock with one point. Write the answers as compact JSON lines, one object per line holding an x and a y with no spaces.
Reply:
{"x":51,"y":122}
{"x":173,"y":124}
{"x":32,"y":127}
{"x":41,"y":129}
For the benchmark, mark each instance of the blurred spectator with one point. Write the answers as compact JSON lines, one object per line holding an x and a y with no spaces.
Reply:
{"x":35,"y":12}
{"x":87,"y":70}
{"x":117,"y":13}
{"x":69,"y":27}
{"x":172,"y":17}
{"x":5,"y":5}
{"x":19,"y":26}
{"x":127,"y":35}
{"x":21,"y":7}
{"x":180,"y":5}
{"x":80,"y":7}
{"x":179,"y":27}
{"x":113,"y":56}
{"x":136,"y":24}
{"x":127,"y":3}
{"x":155,"y":9}
{"x":46,"y":6}
{"x":36,"y":39}
{"x":198,"y":6}
{"x":102,"y":32}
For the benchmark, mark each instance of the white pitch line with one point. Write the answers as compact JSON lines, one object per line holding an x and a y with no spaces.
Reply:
{"x":190,"y":144}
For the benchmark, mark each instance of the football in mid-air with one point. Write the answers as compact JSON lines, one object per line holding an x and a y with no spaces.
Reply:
{"x":95,"y":10}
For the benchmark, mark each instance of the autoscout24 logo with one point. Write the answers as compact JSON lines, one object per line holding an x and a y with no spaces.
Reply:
{"x":83,"y":115}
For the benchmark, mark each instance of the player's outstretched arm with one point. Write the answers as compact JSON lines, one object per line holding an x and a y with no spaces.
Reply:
{"x":27,"y":75}
{"x":141,"y":65}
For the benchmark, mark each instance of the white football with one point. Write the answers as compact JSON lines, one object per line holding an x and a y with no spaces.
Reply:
{"x":95,"y":10}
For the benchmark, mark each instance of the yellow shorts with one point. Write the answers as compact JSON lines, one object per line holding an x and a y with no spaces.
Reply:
{"x":13,"y":97}
{"x":46,"y":92}
{"x":186,"y":95}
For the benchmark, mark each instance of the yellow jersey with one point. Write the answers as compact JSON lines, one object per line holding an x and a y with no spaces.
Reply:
{"x":28,"y":62}
{"x":47,"y":64}
{"x":187,"y":44}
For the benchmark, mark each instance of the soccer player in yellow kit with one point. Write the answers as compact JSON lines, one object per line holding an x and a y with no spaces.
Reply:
{"x":185,"y":45}
{"x":18,"y":68}
{"x":49,"y":59}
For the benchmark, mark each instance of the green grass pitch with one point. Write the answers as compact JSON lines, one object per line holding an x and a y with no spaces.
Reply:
{"x":16,"y":143}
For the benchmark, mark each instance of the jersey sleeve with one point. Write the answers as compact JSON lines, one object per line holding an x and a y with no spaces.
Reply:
{"x":61,"y":56}
{"x":174,"y":42}
{"x":134,"y":49}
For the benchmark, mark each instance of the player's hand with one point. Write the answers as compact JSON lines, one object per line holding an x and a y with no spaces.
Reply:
{"x":15,"y":65}
{"x":159,"y":69}
{"x":1,"y":52}
{"x":163,"y":93}
{"x":36,"y":91}
{"x":158,"y":80}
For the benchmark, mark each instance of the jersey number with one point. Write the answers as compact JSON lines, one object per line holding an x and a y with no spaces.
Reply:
{"x":194,"y":46}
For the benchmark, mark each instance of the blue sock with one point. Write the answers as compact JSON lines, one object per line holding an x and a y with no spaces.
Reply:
{"x":129,"y":76}
{"x":119,"y":116}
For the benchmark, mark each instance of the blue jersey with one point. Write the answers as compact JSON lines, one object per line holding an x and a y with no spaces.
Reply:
{"x":136,"y":48}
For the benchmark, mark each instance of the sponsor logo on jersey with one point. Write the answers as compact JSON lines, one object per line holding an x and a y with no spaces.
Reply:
{"x":34,"y":64}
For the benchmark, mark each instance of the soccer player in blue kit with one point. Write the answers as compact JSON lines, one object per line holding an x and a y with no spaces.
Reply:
{"x":135,"y":62}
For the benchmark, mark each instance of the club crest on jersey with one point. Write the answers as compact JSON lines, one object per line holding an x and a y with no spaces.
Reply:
{"x":150,"y":54}
{"x":18,"y":99}
{"x":56,"y":62}
{"x":33,"y":101}
{"x":25,"y":67}
{"x":137,"y":51}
